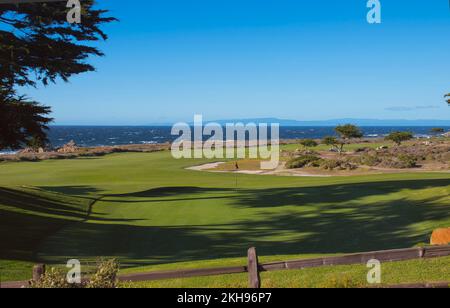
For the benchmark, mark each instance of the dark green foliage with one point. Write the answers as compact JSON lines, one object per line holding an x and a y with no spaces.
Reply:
{"x":42,"y":45}
{"x":329,"y":140}
{"x":369,"y":160}
{"x":302,"y":161}
{"x":329,"y":164}
{"x":22,"y":122}
{"x":308,"y":143}
{"x":407,"y":161}
{"x":399,"y":137}
{"x":38,"y":45}
{"x":349,"y":131}
{"x":339,"y":164}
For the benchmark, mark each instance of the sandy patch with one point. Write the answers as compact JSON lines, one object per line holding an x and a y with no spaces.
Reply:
{"x":281,"y":170}
{"x":206,"y":166}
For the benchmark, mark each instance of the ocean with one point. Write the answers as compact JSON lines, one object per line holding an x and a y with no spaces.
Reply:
{"x":88,"y":136}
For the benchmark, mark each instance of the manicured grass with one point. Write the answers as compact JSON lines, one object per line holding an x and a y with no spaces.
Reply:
{"x":392,"y":273}
{"x":152,"y":211}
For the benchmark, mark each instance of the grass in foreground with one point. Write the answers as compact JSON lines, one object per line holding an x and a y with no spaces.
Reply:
{"x":151,"y":211}
{"x":393,"y":273}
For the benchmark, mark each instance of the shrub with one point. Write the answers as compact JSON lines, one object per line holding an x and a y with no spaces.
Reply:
{"x":105,"y":277}
{"x":407,"y":161}
{"x":402,"y":161}
{"x":369,"y":160}
{"x":53,"y":279}
{"x":332,"y":164}
{"x":302,"y":161}
{"x":309,"y":143}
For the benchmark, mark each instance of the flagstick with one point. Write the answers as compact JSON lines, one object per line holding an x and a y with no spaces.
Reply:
{"x":236,"y":166}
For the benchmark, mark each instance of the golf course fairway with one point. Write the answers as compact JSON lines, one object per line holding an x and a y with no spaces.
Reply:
{"x":147,"y":209}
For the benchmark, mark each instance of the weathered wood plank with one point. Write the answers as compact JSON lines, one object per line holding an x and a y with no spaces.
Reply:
{"x":437,"y":251}
{"x":38,"y":272}
{"x":253,"y":269}
{"x":361,"y":258}
{"x":14,"y":285}
{"x":183,"y":273}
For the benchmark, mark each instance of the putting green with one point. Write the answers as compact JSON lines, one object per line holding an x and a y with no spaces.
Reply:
{"x":146,"y":208}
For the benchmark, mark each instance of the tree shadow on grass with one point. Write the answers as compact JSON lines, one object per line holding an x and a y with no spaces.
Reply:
{"x":28,"y":217}
{"x":167,"y":194}
{"x":316,"y":220}
{"x":79,"y":191}
{"x":43,"y":204}
{"x":333,"y":194}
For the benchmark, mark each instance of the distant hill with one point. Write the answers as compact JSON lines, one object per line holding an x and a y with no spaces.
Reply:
{"x":334,"y":122}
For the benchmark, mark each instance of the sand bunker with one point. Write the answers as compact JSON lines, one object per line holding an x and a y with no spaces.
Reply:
{"x":206,"y":166}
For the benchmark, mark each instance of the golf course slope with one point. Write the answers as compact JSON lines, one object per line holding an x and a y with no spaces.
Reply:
{"x":147,"y":209}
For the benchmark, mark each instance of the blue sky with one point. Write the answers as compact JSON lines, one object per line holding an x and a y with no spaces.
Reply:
{"x":297,"y":59}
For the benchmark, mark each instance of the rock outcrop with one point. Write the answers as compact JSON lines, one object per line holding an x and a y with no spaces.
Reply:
{"x":70,"y":147}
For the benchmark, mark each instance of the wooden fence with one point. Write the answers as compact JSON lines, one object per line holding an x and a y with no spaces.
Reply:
{"x":253,"y":267}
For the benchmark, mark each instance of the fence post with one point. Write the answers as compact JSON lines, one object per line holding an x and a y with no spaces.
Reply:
{"x":38,"y":272}
{"x":253,"y":269}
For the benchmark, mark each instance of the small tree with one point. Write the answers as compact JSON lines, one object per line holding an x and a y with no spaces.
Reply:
{"x":334,"y":142}
{"x":399,"y":137}
{"x":308,"y":143}
{"x":348,"y":131}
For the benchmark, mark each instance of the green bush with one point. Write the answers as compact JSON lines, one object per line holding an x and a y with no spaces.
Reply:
{"x":402,"y":161}
{"x":332,"y":164}
{"x":53,"y":279}
{"x":369,"y":160}
{"x":303,"y":161}
{"x":407,"y":161}
{"x":308,"y":143}
{"x":105,"y":277}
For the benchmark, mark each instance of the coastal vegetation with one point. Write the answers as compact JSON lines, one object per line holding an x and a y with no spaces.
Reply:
{"x":399,"y":137}
{"x":308,"y":143}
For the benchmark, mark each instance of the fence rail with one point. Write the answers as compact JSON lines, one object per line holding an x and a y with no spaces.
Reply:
{"x":253,"y":268}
